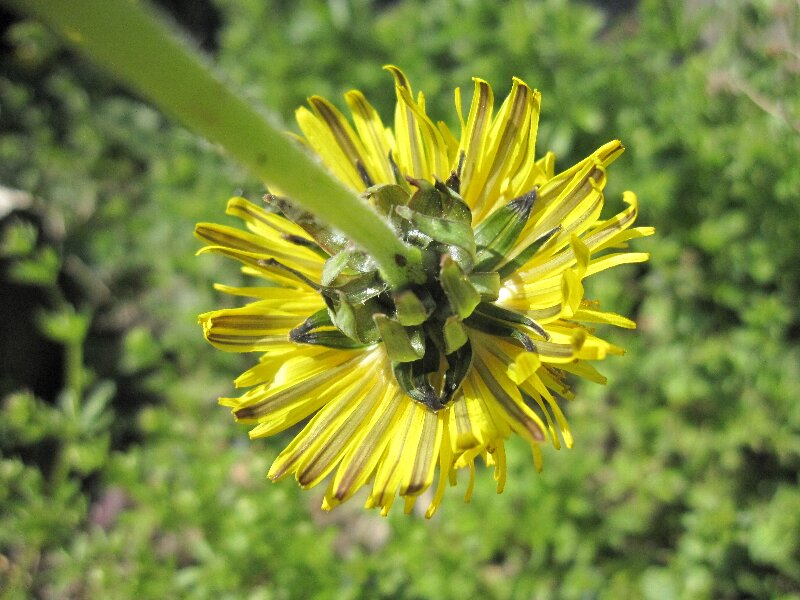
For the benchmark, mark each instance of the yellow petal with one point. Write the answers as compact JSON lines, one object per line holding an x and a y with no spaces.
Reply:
{"x":612,"y":260}
{"x":373,"y":135}
{"x":347,"y":140}
{"x":426,"y":453}
{"x":363,"y":456}
{"x":445,"y":464}
{"x":506,"y":394}
{"x":409,"y":149}
{"x":274,"y":406}
{"x":245,"y":330}
{"x":524,"y":366}
{"x":391,"y":466}
{"x":529,"y":174}
{"x":274,"y":228}
{"x":596,"y":316}
{"x":258,"y":248}
{"x":508,"y":134}
{"x":465,"y":435}
{"x":537,"y":390}
{"x":317,"y":449}
{"x":473,"y":140}
{"x":324,"y":142}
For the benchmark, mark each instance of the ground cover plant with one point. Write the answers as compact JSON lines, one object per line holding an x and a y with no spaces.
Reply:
{"x":121,"y":477}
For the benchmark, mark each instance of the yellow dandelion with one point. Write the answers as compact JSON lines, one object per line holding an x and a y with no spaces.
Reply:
{"x":403,"y":385}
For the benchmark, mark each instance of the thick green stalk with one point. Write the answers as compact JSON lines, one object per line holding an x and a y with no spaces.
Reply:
{"x":124,"y":37}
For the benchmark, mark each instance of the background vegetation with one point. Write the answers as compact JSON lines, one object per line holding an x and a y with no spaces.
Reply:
{"x":121,"y":478}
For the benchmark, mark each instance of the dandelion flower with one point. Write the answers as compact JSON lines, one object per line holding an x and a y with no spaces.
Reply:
{"x":401,"y":387}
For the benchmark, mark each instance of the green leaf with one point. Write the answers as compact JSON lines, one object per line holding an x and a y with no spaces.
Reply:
{"x":65,"y":325}
{"x":18,"y":239}
{"x":141,"y":350}
{"x":41,"y":269}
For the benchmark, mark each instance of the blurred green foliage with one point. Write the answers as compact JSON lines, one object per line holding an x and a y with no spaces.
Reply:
{"x":121,"y":478}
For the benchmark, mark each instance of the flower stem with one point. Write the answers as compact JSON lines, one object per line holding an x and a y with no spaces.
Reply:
{"x":123,"y":37}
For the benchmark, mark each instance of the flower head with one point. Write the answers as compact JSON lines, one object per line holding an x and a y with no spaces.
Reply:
{"x":403,"y":384}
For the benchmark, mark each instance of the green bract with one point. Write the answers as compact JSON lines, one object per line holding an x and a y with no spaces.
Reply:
{"x":421,"y":324}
